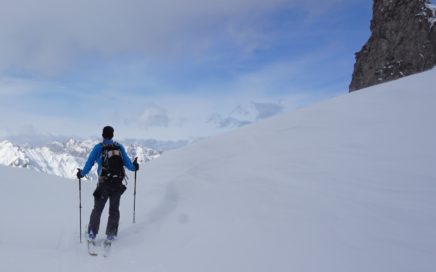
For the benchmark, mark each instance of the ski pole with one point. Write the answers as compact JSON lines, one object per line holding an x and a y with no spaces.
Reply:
{"x":80,"y":209}
{"x":134,"y":197}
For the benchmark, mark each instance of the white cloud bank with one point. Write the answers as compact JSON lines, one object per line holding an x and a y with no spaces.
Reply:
{"x":48,"y":36}
{"x":44,"y":42}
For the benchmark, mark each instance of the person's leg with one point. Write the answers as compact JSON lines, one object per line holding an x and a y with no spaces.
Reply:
{"x":114,"y":214}
{"x":99,"y":202}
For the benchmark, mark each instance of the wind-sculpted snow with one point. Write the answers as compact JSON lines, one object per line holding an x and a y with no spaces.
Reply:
{"x":345,"y":185}
{"x":62,"y":159}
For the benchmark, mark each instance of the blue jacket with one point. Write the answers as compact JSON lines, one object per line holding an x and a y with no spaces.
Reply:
{"x":95,"y":156}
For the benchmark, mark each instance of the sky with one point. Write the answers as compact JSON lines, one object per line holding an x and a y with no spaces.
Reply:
{"x":170,"y":69}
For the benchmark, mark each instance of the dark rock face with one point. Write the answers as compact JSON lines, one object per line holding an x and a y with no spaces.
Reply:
{"x":402,"y":42}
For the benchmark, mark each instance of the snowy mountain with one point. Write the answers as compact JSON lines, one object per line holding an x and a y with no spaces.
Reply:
{"x":62,"y":158}
{"x":345,"y":185}
{"x":246,"y":114}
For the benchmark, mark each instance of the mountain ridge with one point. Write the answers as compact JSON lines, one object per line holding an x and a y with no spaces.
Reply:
{"x":63,"y":158}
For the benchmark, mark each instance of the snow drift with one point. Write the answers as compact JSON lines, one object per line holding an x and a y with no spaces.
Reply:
{"x":345,"y":185}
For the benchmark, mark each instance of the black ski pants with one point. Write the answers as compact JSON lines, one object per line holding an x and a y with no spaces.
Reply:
{"x":112,"y":191}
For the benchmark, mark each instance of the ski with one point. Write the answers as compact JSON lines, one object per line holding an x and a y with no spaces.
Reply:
{"x":92,"y":248}
{"x":107,"y":245}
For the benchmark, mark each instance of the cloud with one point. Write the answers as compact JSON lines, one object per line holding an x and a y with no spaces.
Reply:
{"x":17,"y":86}
{"x":49,"y":36}
{"x":76,"y":59}
{"x":154,"y":116}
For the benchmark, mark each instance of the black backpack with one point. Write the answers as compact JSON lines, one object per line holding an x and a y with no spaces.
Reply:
{"x":112,"y":162}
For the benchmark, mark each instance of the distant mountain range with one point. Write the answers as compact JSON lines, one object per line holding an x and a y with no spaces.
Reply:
{"x":63,"y":158}
{"x":246,"y":114}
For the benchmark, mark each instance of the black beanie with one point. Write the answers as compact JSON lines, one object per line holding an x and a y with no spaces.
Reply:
{"x":108,"y":132}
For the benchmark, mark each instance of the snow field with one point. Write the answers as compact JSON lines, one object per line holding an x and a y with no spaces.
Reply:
{"x":346,"y":185}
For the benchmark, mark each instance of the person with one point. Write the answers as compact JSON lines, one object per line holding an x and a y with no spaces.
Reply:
{"x":111,"y":158}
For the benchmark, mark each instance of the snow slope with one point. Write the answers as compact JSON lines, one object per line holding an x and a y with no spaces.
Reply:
{"x":345,"y":185}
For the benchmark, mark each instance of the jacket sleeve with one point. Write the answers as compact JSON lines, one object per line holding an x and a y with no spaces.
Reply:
{"x":126,"y":160}
{"x":91,"y":159}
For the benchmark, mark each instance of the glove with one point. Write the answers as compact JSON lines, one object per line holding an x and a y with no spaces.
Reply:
{"x":79,"y":173}
{"x":135,"y":163}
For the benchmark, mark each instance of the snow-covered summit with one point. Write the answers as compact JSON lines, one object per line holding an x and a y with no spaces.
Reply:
{"x":12,"y":155}
{"x":246,"y":114}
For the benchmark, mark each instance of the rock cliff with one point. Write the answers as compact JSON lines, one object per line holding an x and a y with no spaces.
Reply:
{"x":402,"y":42}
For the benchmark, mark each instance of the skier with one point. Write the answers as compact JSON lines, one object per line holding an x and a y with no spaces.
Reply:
{"x":111,"y":158}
